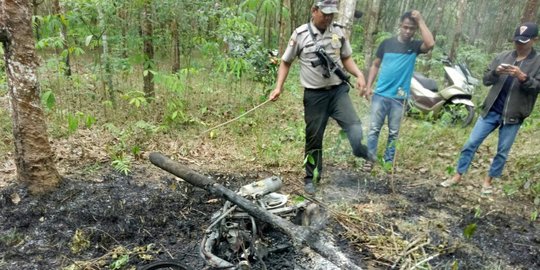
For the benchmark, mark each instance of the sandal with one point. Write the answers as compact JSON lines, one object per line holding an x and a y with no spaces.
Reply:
{"x":368,"y":167}
{"x":487,"y":190}
{"x":450,"y":182}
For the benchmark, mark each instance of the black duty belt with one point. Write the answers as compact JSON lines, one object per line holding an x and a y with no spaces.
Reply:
{"x":326,"y":88}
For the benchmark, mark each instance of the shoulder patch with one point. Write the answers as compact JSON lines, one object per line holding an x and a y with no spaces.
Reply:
{"x":302,"y":28}
{"x":336,"y":24}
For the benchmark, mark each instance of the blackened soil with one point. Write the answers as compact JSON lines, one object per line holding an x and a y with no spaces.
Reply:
{"x":504,"y":237}
{"x":104,"y":220}
{"x":114,"y":222}
{"x":39,"y":232}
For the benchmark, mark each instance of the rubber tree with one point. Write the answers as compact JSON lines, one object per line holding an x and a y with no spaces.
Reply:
{"x":457,"y":29}
{"x":346,"y":15}
{"x":529,"y":11}
{"x":284,"y":32}
{"x":371,"y":28}
{"x":105,"y":55}
{"x":148,"y":49}
{"x":34,"y":157}
{"x":58,"y":11}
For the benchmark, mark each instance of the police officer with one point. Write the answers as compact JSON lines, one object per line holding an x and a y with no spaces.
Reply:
{"x":324,"y":96}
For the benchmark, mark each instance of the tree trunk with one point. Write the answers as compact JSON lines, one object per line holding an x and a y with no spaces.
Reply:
{"x":57,"y":9}
{"x":497,"y":26}
{"x":438,"y":19}
{"x":175,"y":36}
{"x":283,"y":29}
{"x":403,"y":7}
{"x":268,"y":36}
{"x":300,"y":12}
{"x":373,"y":18}
{"x":346,"y":16}
{"x":122,"y":13}
{"x":33,"y":153}
{"x":148,"y":50}
{"x":37,"y":26}
{"x":105,"y":59}
{"x":529,"y":11}
{"x":458,"y":29}
{"x":479,"y":21}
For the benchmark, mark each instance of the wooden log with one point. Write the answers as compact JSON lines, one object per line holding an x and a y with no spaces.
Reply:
{"x":299,"y":234}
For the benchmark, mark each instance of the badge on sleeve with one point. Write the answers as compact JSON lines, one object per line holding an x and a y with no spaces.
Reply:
{"x":292,"y":42}
{"x":336,"y":41}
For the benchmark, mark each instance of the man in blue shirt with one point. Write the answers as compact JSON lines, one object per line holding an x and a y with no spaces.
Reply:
{"x":395,"y":58}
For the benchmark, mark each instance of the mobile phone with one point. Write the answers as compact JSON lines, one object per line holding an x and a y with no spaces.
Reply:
{"x":505,"y":65}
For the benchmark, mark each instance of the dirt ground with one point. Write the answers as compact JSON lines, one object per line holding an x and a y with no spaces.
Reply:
{"x":101,"y":219}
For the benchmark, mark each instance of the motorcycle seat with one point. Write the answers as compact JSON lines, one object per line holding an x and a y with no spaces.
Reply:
{"x":425,"y":81}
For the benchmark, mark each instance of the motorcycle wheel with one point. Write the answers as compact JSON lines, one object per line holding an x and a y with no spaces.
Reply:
{"x":458,"y":114}
{"x":170,"y":264}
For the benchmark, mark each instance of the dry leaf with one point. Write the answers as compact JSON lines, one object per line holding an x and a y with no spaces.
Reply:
{"x":15,"y":198}
{"x":212,"y":201}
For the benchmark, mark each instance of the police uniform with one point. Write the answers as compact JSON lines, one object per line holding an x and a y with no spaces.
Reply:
{"x":323,"y":97}
{"x":302,"y":45}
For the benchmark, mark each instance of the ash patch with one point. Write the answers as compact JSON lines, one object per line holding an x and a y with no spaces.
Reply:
{"x":38,"y":232}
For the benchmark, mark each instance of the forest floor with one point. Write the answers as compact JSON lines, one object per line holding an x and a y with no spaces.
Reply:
{"x":98,"y":217}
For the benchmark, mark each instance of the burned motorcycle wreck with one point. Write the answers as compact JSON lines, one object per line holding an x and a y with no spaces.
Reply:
{"x":236,"y":240}
{"x":237,"y":235}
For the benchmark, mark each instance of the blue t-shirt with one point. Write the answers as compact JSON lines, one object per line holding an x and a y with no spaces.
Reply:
{"x":397,"y":66}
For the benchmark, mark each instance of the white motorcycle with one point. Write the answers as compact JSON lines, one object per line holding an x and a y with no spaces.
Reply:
{"x":453,"y":103}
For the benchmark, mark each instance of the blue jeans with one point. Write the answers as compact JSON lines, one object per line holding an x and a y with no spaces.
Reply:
{"x":381,"y":108}
{"x":319,"y":106}
{"x":483,"y":127}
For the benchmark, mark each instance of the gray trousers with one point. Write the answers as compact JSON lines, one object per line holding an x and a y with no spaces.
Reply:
{"x":319,"y":105}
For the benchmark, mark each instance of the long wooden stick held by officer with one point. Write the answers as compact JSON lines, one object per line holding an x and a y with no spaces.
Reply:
{"x":236,"y":118}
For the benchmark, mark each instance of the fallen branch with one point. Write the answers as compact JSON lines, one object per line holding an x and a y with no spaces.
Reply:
{"x":425,"y":260}
{"x":410,"y":249}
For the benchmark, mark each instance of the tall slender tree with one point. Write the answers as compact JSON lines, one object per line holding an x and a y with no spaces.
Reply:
{"x":529,"y":12}
{"x":284,"y":31}
{"x":63,"y":35}
{"x":504,"y":10}
{"x":105,"y":57}
{"x":175,"y":36}
{"x":373,"y":18}
{"x":37,"y":23}
{"x":346,"y":15}
{"x":148,"y":49}
{"x":34,"y":157}
{"x":457,"y":29}
{"x":439,"y":12}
